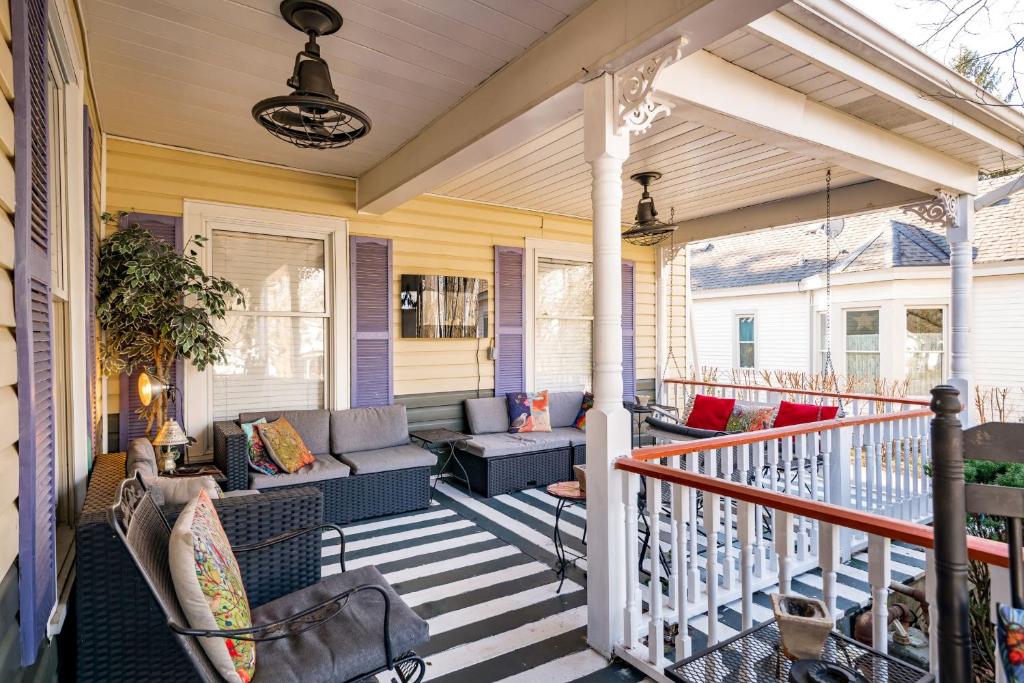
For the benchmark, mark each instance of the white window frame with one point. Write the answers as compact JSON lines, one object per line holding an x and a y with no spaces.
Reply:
{"x":881,"y":337}
{"x":902,"y":331}
{"x":536,"y":249}
{"x":202,"y":218}
{"x":736,"y":355}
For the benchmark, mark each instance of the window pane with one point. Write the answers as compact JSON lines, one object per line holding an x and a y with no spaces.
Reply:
{"x":863,"y":366}
{"x":924,"y":349}
{"x":746,"y":331}
{"x":277,"y":274}
{"x":273,"y":363}
{"x":564,"y":288}
{"x":746,"y":355}
{"x":862,"y":330}
{"x":564,"y":354}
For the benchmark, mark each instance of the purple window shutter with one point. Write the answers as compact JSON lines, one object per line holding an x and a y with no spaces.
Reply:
{"x":168,"y":229}
{"x":370,"y":281}
{"x":37,"y":495}
{"x":509,"y":331}
{"x":90,"y":283}
{"x":628,"y":332}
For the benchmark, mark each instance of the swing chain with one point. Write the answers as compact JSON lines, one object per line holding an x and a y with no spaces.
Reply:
{"x":829,"y":371}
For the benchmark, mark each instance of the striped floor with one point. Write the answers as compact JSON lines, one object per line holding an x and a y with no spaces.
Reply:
{"x":479,"y":571}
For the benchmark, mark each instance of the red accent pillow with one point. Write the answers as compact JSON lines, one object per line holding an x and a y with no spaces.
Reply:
{"x":709,"y":412}
{"x":801,"y":413}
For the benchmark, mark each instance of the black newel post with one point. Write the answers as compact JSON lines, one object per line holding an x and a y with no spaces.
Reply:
{"x":950,"y":536}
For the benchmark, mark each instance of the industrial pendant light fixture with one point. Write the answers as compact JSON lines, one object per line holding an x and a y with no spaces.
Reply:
{"x":647,"y":230}
{"x":312,"y":116}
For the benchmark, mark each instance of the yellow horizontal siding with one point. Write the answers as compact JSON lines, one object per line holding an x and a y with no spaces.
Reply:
{"x":430,"y":235}
{"x":8,"y":351}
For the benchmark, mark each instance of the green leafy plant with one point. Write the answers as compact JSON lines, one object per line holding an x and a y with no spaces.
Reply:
{"x":155,"y":305}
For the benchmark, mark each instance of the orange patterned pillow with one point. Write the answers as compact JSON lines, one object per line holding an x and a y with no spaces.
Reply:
{"x":284,"y":445}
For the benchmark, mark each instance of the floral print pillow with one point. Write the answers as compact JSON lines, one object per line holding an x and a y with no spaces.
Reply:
{"x":258,"y":458}
{"x":581,"y":417}
{"x":209,"y":587}
{"x":749,"y":418}
{"x":528,"y":412}
{"x":284,"y":445}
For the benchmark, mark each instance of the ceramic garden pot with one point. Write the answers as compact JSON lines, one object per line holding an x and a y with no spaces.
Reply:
{"x":804,"y":625}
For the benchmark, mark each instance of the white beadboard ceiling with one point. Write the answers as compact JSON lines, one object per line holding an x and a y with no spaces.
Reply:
{"x":187,"y":72}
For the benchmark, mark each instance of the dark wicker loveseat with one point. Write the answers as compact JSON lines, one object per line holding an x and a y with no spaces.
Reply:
{"x":121,"y":633}
{"x":366,"y":466}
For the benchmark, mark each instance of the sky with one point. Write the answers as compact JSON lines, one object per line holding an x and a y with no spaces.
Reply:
{"x":985,"y":26}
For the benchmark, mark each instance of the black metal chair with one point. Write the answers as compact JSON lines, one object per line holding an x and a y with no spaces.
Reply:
{"x":345,"y":627}
{"x":951,"y":445}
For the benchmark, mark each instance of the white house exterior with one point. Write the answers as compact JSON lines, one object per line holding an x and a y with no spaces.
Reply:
{"x":891,"y":280}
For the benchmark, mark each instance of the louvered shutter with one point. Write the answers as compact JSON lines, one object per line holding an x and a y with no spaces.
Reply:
{"x":370,"y":277}
{"x":90,"y":285}
{"x":628,"y":332}
{"x":168,"y":229}
{"x":509,"y":334}
{"x":37,"y":496}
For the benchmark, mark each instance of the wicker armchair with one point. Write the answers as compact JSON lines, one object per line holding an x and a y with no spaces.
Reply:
{"x":346,"y":627}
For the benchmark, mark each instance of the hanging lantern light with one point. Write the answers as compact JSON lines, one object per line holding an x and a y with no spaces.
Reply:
{"x":647,"y":230}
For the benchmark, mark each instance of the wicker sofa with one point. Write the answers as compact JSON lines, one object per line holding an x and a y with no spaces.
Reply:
{"x":365,"y":464}
{"x":121,"y":635}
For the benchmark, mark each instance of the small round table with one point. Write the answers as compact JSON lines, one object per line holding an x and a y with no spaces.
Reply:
{"x":567,"y":493}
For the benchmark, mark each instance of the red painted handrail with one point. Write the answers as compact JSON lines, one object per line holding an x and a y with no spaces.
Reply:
{"x":805,"y":392}
{"x":744,"y":438}
{"x":982,"y":549}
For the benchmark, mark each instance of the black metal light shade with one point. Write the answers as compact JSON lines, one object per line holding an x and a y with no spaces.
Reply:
{"x":647,"y":230}
{"x":312,"y":116}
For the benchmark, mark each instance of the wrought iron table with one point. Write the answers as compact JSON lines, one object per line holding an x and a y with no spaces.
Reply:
{"x":567,"y":493}
{"x":755,"y":656}
{"x":442,"y":442}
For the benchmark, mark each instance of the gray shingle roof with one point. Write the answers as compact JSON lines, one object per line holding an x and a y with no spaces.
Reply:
{"x":891,"y":238}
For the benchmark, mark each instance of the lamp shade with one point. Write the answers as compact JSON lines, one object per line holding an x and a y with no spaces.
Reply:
{"x":170,"y":434}
{"x":149,"y":388}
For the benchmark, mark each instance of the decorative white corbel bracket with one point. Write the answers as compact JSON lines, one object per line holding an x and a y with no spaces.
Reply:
{"x":942,"y":210}
{"x":636,"y":105}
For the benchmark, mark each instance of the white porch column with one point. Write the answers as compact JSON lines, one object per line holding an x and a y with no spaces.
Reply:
{"x":608,"y":432}
{"x":960,"y":235}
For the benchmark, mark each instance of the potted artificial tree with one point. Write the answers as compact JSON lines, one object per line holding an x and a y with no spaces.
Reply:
{"x":155,"y":305}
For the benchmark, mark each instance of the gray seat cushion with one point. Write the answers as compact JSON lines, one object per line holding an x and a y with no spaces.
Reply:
{"x":312,"y":425}
{"x":564,"y":406}
{"x":347,"y":646}
{"x":388,"y":459}
{"x":487,"y":415}
{"x":140,"y":457}
{"x":366,"y":429}
{"x":326,"y":467}
{"x":491,"y":445}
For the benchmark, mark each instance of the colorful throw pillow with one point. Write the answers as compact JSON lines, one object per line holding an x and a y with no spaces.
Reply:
{"x":208,"y":584}
{"x":258,"y":458}
{"x":284,"y":445}
{"x":1010,"y":637}
{"x":801,"y":413}
{"x":710,"y":412}
{"x":581,"y":417}
{"x":747,"y":418}
{"x":528,"y":412}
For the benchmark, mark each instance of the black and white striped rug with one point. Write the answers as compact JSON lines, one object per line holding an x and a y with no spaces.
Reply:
{"x":480,"y":572}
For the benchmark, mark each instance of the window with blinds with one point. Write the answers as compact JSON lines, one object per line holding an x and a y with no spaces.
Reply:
{"x":564,"y":324}
{"x":277,"y":341}
{"x":863,"y":358}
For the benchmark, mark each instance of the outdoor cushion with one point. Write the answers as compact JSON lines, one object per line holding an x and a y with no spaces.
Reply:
{"x":209,"y":588}
{"x":487,"y":415}
{"x":750,"y":417}
{"x":676,"y":430}
{"x":347,"y":646}
{"x":388,"y":459}
{"x":491,"y":445}
{"x":710,"y":412}
{"x":324,"y":467}
{"x":284,"y":445}
{"x":259,"y":459}
{"x":564,"y":406}
{"x":140,"y":457}
{"x":312,"y":425}
{"x":366,"y":429}
{"x":581,"y":417}
{"x":180,"y":490}
{"x":801,"y":413}
{"x":528,"y":412}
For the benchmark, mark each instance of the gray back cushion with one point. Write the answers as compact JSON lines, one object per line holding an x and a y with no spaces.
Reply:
{"x":312,"y":425}
{"x":140,"y":457}
{"x":366,"y":429}
{"x":487,"y":415}
{"x":564,"y":406}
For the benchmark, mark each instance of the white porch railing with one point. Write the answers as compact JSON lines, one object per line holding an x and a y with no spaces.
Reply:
{"x":808,"y":534}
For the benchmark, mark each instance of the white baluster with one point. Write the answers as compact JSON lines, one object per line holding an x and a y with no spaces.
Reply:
{"x":926,"y":458}
{"x":899,"y":496}
{"x":999,"y":582}
{"x":745,"y":530}
{"x":880,"y":576}
{"x":656,"y":626}
{"x":712,"y":516}
{"x":676,"y":541}
{"x":692,"y":572}
{"x":828,"y":560}
{"x":773,"y":474}
{"x":784,"y":549}
{"x":680,"y":510}
{"x":756,"y":465}
{"x":801,"y":492}
{"x":729,"y":553}
{"x":888,"y":463}
{"x":858,"y":470}
{"x":871,"y":482}
{"x":826,"y":464}
{"x":634,"y":606}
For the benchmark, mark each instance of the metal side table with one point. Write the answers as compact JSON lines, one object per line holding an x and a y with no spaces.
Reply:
{"x":444,"y":444}
{"x":567,"y":493}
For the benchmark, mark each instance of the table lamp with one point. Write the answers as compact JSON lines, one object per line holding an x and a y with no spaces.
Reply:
{"x":170,"y":435}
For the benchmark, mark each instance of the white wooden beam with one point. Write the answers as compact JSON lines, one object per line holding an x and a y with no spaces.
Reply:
{"x":846,"y":201}
{"x":998,"y":194}
{"x":604,"y":36}
{"x":796,"y":39}
{"x":712,"y":91}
